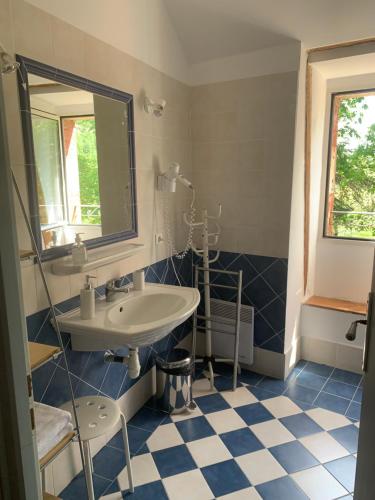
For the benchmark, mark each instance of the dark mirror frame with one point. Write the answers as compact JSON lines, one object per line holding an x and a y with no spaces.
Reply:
{"x":30,"y":66}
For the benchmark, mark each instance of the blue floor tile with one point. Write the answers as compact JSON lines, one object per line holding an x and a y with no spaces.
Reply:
{"x":173,"y":460}
{"x":211,"y":403}
{"x":241,"y":442}
{"x":293,"y":456}
{"x":333,"y":403}
{"x":281,"y":488}
{"x":223,"y":369}
{"x":194,"y":428}
{"x":153,"y":490}
{"x":318,"y":369}
{"x":109,"y":462}
{"x":261,"y":394}
{"x":148,"y":419}
{"x":225,"y":477}
{"x":310,"y":380}
{"x":299,"y":393}
{"x":300,"y":365}
{"x":301,"y":425}
{"x":273,"y":385}
{"x":137,"y":438}
{"x":250,"y":378}
{"x":347,"y":377}
{"x":254,"y":413}
{"x":354,"y":411}
{"x":224,"y":383}
{"x":343,"y":469}
{"x":340,"y":389}
{"x":77,"y":488}
{"x":347,"y":436}
{"x":358,"y":395}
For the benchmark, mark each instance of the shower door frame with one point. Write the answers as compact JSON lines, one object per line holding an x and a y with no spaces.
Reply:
{"x":19,"y":466}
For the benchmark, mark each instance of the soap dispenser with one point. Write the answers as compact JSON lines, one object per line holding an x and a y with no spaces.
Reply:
{"x":87,"y":296}
{"x":79,"y":252}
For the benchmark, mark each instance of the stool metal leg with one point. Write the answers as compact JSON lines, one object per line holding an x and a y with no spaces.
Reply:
{"x":127,"y":452}
{"x":88,"y":470}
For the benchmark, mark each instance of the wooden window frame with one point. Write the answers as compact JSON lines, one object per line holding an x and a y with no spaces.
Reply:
{"x":336,"y":98}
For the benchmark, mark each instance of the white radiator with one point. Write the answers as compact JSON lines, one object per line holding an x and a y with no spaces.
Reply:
{"x":223,"y":316}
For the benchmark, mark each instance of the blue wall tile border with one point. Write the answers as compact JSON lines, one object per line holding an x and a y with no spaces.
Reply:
{"x":264,"y":287}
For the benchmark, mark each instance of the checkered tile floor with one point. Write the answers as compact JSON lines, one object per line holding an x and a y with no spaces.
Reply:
{"x":269,"y":439}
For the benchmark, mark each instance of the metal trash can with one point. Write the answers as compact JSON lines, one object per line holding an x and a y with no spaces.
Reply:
{"x":173,"y":381}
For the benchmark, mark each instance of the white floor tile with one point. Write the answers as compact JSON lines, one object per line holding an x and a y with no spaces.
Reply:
{"x":165,"y":436}
{"x":281,"y":407}
{"x":324,"y":447}
{"x":272,"y":433}
{"x":208,"y":451}
{"x":319,"y":484}
{"x":188,"y":486}
{"x":246,"y":494}
{"x":187,"y":414}
{"x":260,"y":467}
{"x":357,"y":424}
{"x":241,"y":396}
{"x":144,"y":471}
{"x":201,"y":387}
{"x":328,"y":420}
{"x":225,"y":421}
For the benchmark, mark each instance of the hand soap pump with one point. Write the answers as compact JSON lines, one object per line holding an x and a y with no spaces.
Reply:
{"x":79,"y":253}
{"x":87,"y":296}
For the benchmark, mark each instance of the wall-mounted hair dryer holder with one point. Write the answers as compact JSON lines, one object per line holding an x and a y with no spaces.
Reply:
{"x":167,"y":182}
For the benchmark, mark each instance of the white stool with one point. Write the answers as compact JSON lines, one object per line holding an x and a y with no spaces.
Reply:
{"x":97,"y":415}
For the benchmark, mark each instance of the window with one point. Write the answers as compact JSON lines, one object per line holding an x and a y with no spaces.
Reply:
{"x":46,"y":135}
{"x":81,"y":170}
{"x":350,"y":197}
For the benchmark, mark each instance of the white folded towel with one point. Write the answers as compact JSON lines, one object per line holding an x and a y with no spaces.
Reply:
{"x":52,"y":424}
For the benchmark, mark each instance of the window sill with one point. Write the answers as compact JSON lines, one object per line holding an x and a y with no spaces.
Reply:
{"x":337,"y":305}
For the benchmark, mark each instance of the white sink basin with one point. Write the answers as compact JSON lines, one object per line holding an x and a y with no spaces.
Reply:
{"x":136,"y":319}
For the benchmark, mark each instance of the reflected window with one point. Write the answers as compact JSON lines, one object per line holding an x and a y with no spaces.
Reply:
{"x":81,"y":170}
{"x":46,"y":135}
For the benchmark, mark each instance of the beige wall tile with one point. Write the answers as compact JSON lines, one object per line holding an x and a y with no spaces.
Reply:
{"x":243,"y":156}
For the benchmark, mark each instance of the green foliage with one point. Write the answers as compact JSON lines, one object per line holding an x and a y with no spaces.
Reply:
{"x":88,"y":170}
{"x":355,"y":172}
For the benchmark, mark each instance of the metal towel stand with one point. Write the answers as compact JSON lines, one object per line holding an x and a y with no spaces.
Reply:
{"x":207,"y":328}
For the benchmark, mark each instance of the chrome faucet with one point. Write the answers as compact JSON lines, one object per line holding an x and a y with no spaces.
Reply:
{"x":111,"y":290}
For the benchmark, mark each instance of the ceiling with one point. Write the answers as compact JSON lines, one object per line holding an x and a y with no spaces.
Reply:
{"x":210,"y":29}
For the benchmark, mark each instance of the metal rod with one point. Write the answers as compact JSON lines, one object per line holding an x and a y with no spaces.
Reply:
{"x":207,"y":294}
{"x":237,"y":340}
{"x":222,"y":271}
{"x":53,"y":313}
{"x":194,"y":340}
{"x":205,"y":283}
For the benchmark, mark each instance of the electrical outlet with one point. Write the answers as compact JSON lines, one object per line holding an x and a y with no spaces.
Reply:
{"x":159,"y":238}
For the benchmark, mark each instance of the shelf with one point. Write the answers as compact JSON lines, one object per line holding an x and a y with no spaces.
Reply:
{"x":41,"y":353}
{"x":56,"y":449}
{"x":337,"y":305}
{"x":96,"y":258}
{"x":26,"y":254}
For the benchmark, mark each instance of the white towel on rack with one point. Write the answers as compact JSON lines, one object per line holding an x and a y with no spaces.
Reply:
{"x":52,"y":424}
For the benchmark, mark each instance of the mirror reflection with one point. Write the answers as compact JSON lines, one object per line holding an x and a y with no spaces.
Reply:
{"x":82,"y":162}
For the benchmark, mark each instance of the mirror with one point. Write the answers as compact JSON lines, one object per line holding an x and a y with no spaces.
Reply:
{"x":79,"y":147}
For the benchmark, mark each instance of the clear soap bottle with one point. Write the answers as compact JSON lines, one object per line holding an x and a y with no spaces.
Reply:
{"x":79,"y":252}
